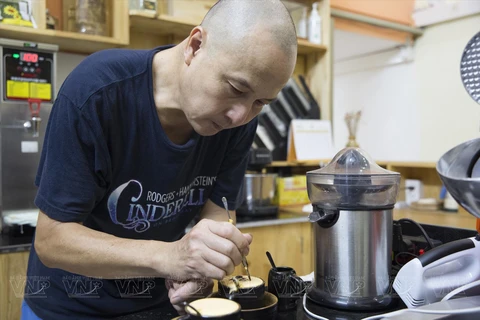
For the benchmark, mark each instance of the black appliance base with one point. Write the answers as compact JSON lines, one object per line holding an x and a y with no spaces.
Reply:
{"x":385,"y":302}
{"x":336,"y":314}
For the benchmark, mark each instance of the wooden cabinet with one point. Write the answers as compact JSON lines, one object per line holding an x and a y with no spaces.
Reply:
{"x":394,"y":11}
{"x":289,"y":244}
{"x":172,"y":23}
{"x":13,"y":270}
{"x":116,"y":20}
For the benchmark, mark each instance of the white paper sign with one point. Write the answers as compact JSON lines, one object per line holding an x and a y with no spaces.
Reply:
{"x":29,"y":146}
{"x":312,"y":139}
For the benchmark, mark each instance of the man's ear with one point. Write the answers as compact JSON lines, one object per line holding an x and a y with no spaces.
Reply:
{"x":194,"y":44}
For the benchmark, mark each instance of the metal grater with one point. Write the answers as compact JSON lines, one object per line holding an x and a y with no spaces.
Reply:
{"x":470,"y":68}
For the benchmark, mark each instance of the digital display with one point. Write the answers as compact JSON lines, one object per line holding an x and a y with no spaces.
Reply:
{"x":29,"y":57}
{"x":27,"y":75}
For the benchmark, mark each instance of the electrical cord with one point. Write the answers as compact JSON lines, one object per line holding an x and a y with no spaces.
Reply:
{"x":402,"y":253}
{"x":311,"y":314}
{"x":424,"y":233}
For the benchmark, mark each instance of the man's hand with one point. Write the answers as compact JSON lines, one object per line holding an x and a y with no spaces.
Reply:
{"x":210,"y":250}
{"x":179,"y":292}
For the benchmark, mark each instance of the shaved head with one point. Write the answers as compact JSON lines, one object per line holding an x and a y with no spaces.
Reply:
{"x":234,"y":63}
{"x":231,"y":23}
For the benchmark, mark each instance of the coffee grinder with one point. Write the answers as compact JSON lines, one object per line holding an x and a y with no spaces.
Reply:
{"x":353,"y":200}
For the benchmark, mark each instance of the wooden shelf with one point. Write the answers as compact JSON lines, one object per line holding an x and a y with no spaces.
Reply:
{"x":309,"y":163}
{"x":166,"y":25}
{"x":67,"y":41}
{"x":162,"y":25}
{"x":460,"y":219}
{"x":424,"y":165}
{"x":315,"y":163}
{"x":306,"y":47}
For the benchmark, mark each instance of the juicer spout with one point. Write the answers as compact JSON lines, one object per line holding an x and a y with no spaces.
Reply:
{"x":324,"y":217}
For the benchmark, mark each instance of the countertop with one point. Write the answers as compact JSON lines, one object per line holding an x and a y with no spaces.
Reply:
{"x":10,"y":244}
{"x":167,"y":313}
{"x":442,"y":226}
{"x":459,"y":220}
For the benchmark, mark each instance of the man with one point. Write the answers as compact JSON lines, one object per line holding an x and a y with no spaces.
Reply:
{"x":139,"y":143}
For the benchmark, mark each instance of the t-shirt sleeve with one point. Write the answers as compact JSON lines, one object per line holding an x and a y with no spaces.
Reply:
{"x":71,"y":174}
{"x":232,"y":171}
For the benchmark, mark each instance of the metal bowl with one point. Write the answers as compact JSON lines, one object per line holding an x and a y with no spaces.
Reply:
{"x":459,"y":170}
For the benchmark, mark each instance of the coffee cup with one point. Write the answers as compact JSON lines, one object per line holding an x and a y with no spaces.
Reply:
{"x":242,"y":288}
{"x":212,"y":309}
{"x":284,"y":283}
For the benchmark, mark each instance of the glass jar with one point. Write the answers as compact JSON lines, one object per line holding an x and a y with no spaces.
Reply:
{"x":91,"y":17}
{"x":143,"y":5}
{"x":135,"y":4}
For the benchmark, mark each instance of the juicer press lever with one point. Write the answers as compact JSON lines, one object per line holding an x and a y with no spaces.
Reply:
{"x":324,"y":217}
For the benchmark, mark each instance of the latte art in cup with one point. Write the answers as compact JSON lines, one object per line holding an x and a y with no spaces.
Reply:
{"x":213,"y":307}
{"x":242,"y":283}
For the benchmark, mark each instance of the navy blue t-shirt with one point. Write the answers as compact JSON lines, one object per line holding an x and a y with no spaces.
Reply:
{"x":106,"y":162}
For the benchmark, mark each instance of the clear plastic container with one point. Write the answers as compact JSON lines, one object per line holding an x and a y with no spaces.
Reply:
{"x":91,"y":17}
{"x":352,"y":181}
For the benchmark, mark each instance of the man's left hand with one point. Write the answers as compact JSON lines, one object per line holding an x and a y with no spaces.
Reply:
{"x":181,"y":291}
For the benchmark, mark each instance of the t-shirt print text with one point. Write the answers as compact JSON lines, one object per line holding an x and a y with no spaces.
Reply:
{"x":134,"y":209}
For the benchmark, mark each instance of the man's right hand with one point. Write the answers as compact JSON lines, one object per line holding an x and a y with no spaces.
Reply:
{"x":210,"y":250}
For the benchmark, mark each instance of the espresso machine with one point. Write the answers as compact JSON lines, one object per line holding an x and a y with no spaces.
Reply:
{"x":27,"y":89}
{"x":353,"y":200}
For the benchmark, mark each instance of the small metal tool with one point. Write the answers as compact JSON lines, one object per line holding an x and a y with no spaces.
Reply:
{"x":225,"y":205}
{"x":244,"y":260}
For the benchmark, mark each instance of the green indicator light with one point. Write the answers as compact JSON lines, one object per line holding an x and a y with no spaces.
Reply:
{"x":16,"y":55}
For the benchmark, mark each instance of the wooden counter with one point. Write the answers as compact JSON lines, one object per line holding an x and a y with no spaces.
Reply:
{"x":461,"y":219}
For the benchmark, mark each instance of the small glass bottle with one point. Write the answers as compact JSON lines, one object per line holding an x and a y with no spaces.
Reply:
{"x":71,"y":20}
{"x":50,"y":20}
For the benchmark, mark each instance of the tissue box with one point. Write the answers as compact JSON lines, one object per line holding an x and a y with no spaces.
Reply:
{"x":292,"y":191}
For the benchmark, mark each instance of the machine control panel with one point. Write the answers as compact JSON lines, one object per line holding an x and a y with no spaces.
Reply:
{"x":27,"y":74}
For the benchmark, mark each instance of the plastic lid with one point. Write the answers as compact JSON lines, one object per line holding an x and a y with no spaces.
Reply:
{"x":352,"y":180}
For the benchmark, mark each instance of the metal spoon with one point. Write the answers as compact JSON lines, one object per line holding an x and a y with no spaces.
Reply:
{"x":244,"y":260}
